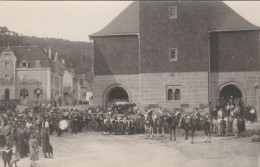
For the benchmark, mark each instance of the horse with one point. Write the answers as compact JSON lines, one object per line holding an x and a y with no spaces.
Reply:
{"x":203,"y":123}
{"x":148,"y":124}
{"x":159,"y":124}
{"x":188,"y":123}
{"x":172,"y":122}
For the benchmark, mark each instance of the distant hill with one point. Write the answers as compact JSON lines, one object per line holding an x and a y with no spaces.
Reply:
{"x":77,"y":54}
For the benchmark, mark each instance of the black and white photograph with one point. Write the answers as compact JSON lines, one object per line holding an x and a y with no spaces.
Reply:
{"x":130,"y":83}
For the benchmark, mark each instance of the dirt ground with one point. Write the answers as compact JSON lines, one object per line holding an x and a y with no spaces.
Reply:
{"x":96,"y":150}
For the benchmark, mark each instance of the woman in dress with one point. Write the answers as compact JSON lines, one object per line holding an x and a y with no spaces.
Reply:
{"x":15,"y":155}
{"x":34,"y":151}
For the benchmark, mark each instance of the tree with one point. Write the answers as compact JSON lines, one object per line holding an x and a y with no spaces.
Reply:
{"x":8,"y":37}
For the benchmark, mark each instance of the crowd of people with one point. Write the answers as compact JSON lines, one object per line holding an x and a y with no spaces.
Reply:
{"x":230,"y":115}
{"x":29,"y":129}
{"x":23,"y":132}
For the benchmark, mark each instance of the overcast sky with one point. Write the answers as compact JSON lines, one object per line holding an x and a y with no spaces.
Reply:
{"x":76,"y":20}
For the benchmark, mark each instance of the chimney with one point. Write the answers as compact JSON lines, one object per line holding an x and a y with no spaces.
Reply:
{"x":63,"y":61}
{"x":56,"y":57}
{"x":45,"y":50}
{"x":49,"y":52}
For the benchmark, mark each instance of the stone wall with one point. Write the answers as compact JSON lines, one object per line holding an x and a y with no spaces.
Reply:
{"x":103,"y":82}
{"x":193,"y":87}
{"x":31,"y":80}
{"x":244,"y":80}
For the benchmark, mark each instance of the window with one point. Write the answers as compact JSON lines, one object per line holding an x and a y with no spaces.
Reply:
{"x":24,"y":64}
{"x":172,"y":12}
{"x":173,"y":54}
{"x":173,"y":93}
{"x":7,"y":65}
{"x":170,"y":94}
{"x":177,"y":94}
{"x":38,"y":93}
{"x":7,"y":78}
{"x":24,"y":94}
{"x":38,"y":64}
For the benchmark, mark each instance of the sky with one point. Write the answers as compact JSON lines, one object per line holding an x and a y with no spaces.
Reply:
{"x":75,"y":20}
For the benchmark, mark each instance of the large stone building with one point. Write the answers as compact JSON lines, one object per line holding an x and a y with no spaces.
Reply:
{"x":30,"y":75}
{"x":177,"y":55}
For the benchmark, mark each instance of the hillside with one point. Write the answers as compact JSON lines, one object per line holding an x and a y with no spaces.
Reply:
{"x":71,"y":51}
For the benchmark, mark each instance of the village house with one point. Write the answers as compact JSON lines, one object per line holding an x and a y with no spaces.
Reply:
{"x":177,"y":55}
{"x":30,"y":75}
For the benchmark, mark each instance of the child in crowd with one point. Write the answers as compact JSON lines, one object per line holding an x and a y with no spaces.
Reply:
{"x":228,"y":126}
{"x":7,"y":156}
{"x":34,"y":151}
{"x":215,"y":126}
{"x":222,"y":126}
{"x":235,"y":127}
{"x":15,"y":155}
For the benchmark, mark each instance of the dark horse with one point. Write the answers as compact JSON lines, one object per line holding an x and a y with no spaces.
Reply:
{"x":188,"y":123}
{"x":204,"y":123}
{"x":172,"y":122}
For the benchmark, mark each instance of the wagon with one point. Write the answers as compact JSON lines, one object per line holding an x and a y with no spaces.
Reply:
{"x":95,"y":121}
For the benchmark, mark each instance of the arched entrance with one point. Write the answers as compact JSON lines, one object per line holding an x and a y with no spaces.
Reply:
{"x":117,"y":93}
{"x":230,"y":90}
{"x":7,"y":94}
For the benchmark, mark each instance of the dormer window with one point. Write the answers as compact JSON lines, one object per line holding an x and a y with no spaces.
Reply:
{"x":24,"y":64}
{"x":172,"y":12}
{"x":38,"y":64}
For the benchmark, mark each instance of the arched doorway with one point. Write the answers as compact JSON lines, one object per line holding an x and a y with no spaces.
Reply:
{"x":7,"y":94}
{"x":230,"y":90}
{"x":117,"y":93}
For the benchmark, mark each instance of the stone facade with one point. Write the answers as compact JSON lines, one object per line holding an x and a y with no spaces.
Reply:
{"x":153,"y":88}
{"x":208,"y":38}
{"x":245,"y":81}
{"x":32,"y":75}
{"x":32,"y":80}
{"x":7,"y":84}
{"x":102,"y":84}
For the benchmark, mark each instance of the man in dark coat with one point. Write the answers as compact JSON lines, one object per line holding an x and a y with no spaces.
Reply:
{"x":46,"y":146}
{"x":21,"y":146}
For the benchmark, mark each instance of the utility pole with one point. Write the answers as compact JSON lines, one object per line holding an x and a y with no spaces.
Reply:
{"x":80,"y":56}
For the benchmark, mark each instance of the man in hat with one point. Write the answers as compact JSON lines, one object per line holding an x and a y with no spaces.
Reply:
{"x":7,"y":130}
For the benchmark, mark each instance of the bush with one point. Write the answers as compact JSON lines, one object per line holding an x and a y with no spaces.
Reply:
{"x":255,"y":138}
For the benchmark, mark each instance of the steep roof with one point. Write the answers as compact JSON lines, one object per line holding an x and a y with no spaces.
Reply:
{"x":220,"y":17}
{"x":127,"y":22}
{"x":26,"y":52}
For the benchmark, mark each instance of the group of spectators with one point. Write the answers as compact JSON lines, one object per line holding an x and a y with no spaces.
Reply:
{"x":230,"y":115}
